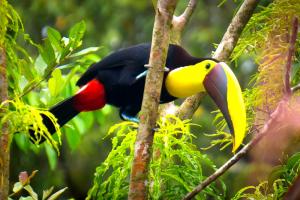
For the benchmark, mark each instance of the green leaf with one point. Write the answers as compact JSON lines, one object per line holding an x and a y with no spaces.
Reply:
{"x":48,"y":55}
{"x":22,"y":142}
{"x":57,"y":194}
{"x":79,"y":124}
{"x":56,"y":82}
{"x":54,"y":38}
{"x":26,"y":198}
{"x":293,"y":161}
{"x":40,"y":65}
{"x":46,"y":193}
{"x":85,"y":51}
{"x":88,"y":119}
{"x":275,"y":174}
{"x":67,"y":48}
{"x":76,"y":34}
{"x":29,"y":189}
{"x":52,"y":157}
{"x":295,"y":73}
{"x":27,"y":69}
{"x":73,"y":138}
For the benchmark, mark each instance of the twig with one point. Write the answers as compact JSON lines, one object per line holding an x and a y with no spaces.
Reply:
{"x":186,"y":15}
{"x":295,"y":88}
{"x":179,"y":22}
{"x":275,"y":117}
{"x":224,"y":49}
{"x":234,"y":30}
{"x":291,"y":53}
{"x":149,"y":111}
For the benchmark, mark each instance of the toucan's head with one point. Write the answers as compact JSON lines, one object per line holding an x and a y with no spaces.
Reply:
{"x":219,"y":82}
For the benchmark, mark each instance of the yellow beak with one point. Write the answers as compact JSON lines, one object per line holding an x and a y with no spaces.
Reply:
{"x":223,"y":87}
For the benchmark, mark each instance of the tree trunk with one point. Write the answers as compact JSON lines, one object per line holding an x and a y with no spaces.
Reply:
{"x":4,"y":136}
{"x":149,"y":111}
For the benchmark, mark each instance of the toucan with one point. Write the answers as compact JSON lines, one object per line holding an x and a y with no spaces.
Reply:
{"x":119,"y":80}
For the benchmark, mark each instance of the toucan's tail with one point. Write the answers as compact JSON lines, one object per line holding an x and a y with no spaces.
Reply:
{"x":90,"y":97}
{"x":63,"y":112}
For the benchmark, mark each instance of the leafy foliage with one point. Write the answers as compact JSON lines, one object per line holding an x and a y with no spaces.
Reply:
{"x":279,"y":181}
{"x":176,"y":166}
{"x":266,"y":37}
{"x":22,"y":118}
{"x":269,"y":18}
{"x":28,"y":76}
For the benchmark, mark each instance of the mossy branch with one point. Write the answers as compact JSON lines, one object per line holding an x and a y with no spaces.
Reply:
{"x":223,"y":52}
{"x":149,"y":111}
{"x":4,"y":134}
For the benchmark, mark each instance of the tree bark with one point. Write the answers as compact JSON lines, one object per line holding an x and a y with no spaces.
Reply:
{"x":4,"y":136}
{"x":223,"y":52}
{"x":149,"y":111}
{"x":179,"y":22}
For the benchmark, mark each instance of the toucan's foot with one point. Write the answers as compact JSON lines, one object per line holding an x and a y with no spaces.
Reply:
{"x":166,"y":69}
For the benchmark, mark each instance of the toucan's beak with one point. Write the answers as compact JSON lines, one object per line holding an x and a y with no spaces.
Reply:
{"x":223,"y":87}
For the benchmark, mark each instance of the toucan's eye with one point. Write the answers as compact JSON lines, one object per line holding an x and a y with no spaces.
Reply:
{"x":207,"y":66}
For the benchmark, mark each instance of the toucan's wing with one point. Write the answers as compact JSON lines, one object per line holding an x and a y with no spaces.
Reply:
{"x":137,"y":56}
{"x":132,"y":73}
{"x":96,"y":68}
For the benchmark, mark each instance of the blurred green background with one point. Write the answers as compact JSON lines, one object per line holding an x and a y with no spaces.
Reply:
{"x":112,"y":25}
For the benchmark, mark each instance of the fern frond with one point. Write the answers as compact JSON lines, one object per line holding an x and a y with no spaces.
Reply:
{"x":176,"y":166}
{"x":22,"y":118}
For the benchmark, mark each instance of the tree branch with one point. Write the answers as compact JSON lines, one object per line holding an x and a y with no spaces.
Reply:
{"x":179,"y":22}
{"x":269,"y":127}
{"x":291,"y":53}
{"x":149,"y":111}
{"x":4,"y":135}
{"x":224,"y":50}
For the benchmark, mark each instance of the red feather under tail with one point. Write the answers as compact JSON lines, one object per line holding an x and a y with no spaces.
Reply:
{"x":90,"y":97}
